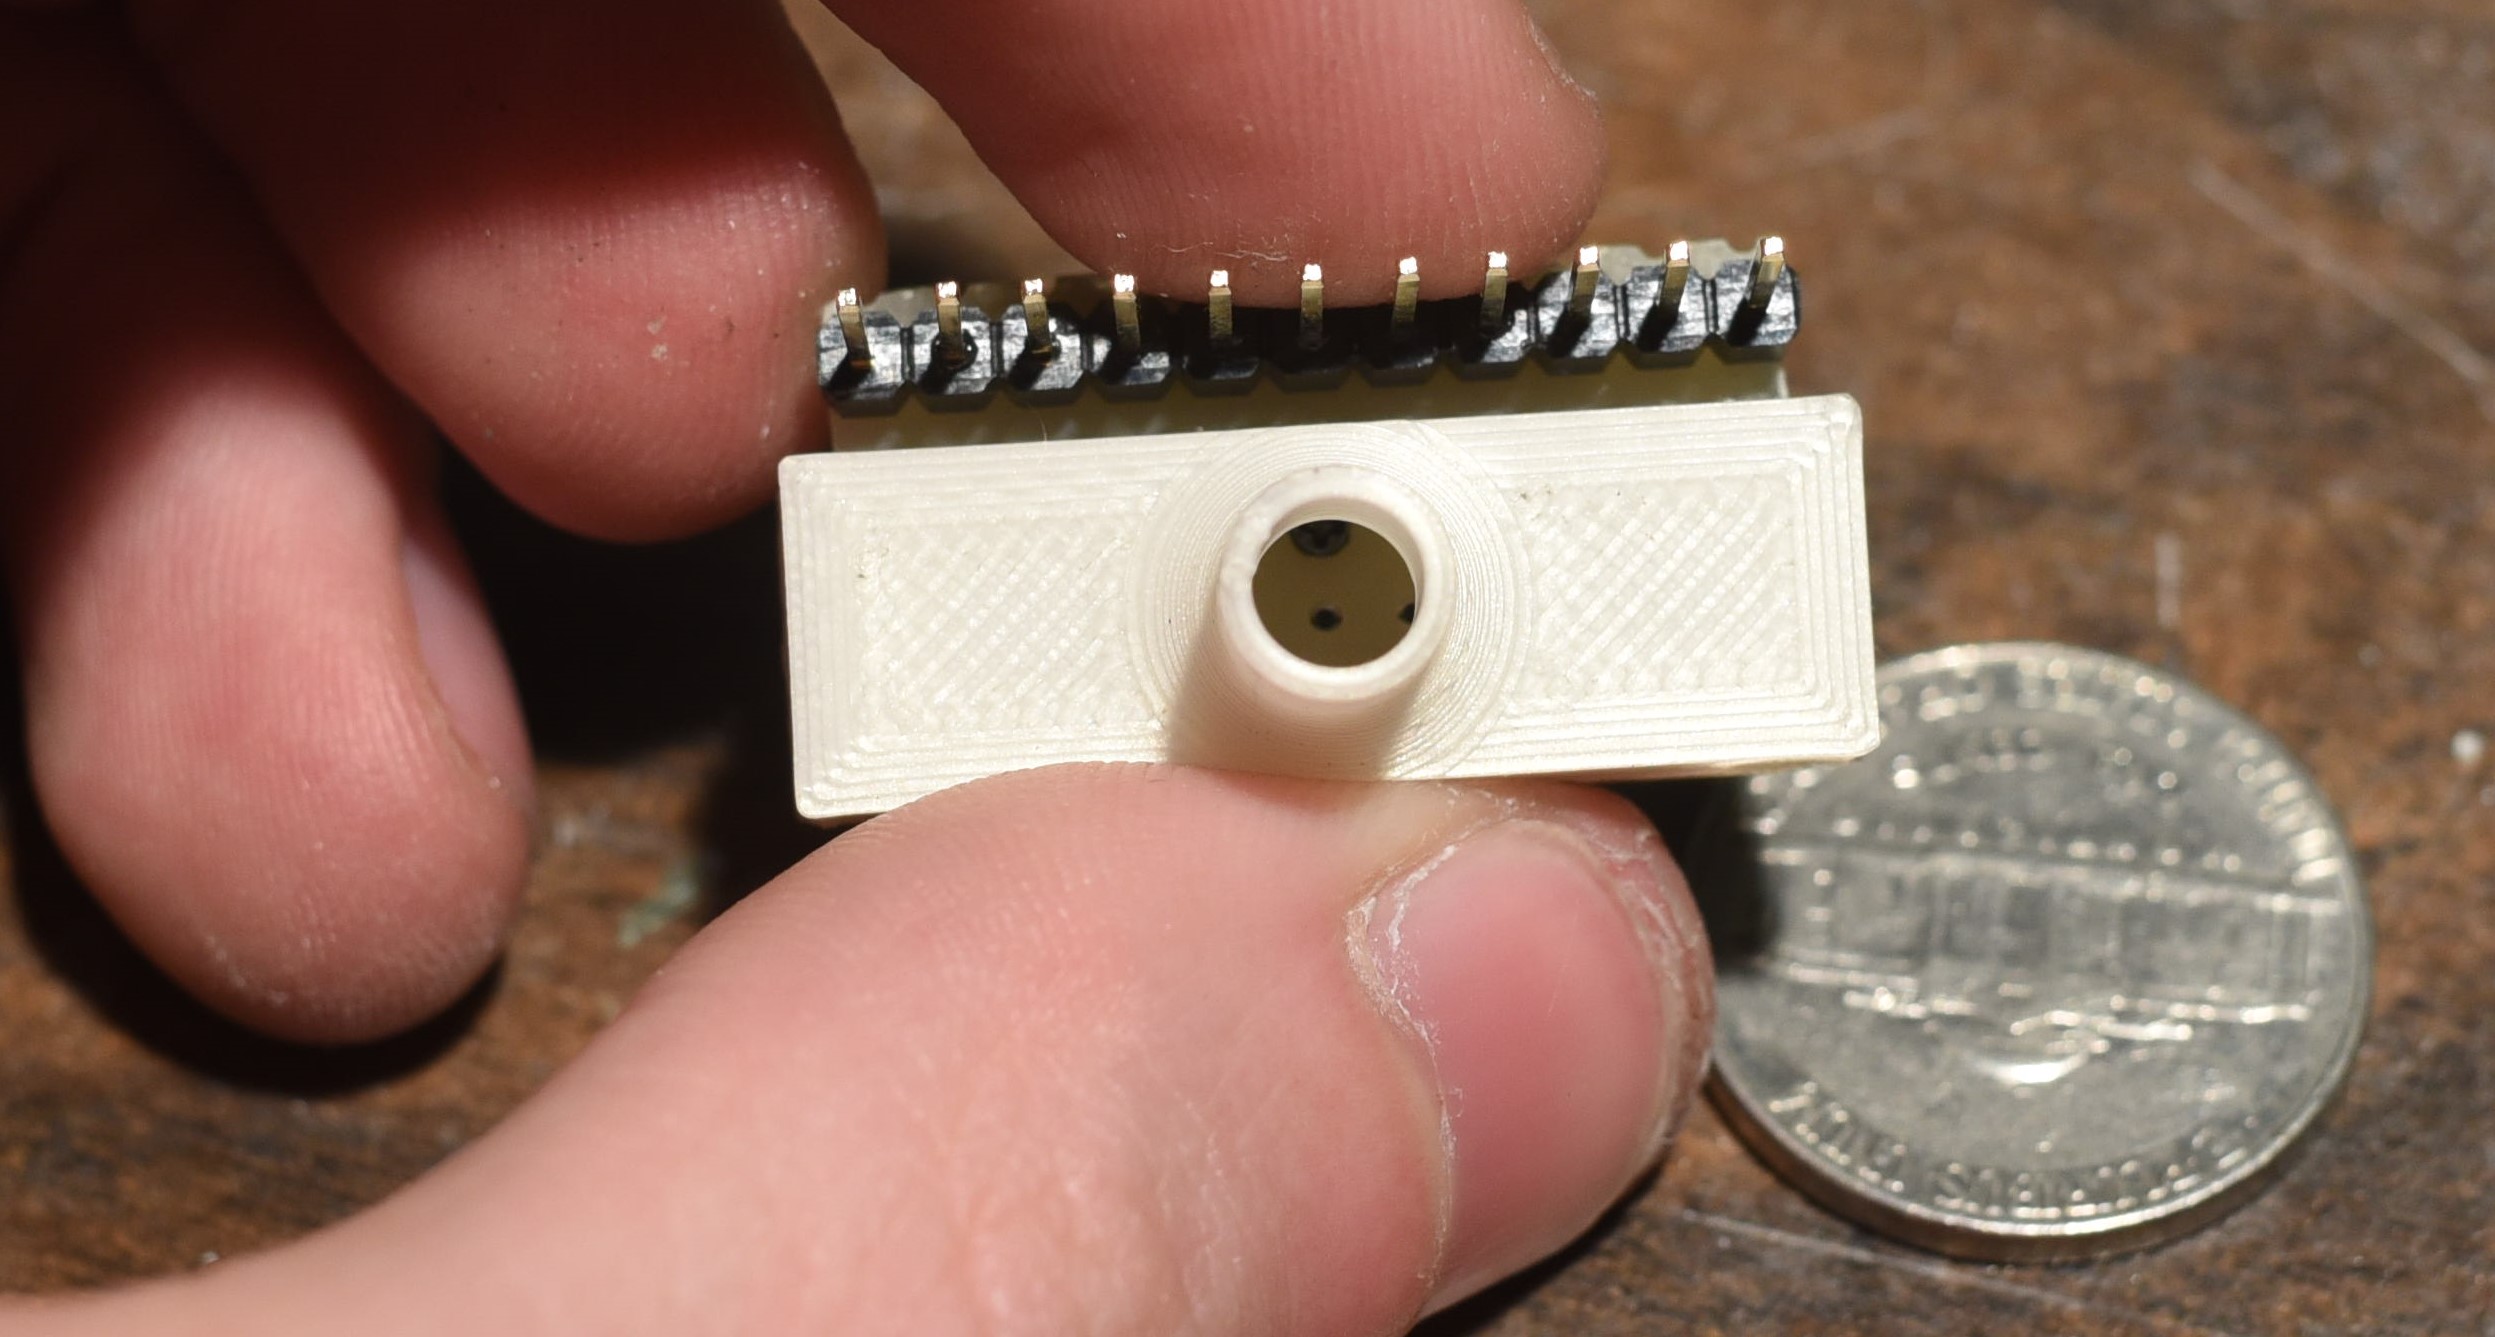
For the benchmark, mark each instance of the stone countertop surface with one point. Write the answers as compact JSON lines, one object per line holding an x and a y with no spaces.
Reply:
{"x":2166,"y":317}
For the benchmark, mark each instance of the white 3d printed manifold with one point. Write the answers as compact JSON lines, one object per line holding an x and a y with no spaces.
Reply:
{"x":1604,"y":593}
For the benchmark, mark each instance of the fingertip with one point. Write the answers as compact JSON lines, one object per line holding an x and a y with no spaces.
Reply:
{"x":272,"y":794}
{"x":629,"y":375}
{"x":629,"y":369}
{"x":327,"y":889}
{"x":358,"y":952}
{"x":282,"y":754}
{"x":1279,"y":134}
{"x":1556,"y":1028}
{"x":591,"y":241}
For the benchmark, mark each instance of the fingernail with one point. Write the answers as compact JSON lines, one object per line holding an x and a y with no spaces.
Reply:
{"x":1559,"y":67}
{"x":457,"y":646}
{"x":1546,"y":979}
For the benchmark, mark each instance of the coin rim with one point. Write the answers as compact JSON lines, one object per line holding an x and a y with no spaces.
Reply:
{"x":2009,"y":1241}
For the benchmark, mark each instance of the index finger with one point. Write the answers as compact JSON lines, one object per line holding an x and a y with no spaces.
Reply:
{"x":1167,"y":138}
{"x":590,"y":237}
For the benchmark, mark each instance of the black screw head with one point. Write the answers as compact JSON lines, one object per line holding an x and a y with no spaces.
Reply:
{"x":1322,"y":538}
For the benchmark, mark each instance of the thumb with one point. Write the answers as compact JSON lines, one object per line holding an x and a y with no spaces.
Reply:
{"x":1097,"y":1050}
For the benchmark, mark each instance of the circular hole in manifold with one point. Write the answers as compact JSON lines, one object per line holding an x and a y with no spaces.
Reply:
{"x":1335,"y":593}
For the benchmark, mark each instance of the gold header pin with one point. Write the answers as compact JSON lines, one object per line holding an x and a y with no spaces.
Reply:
{"x":1039,"y":338}
{"x":1494,"y":293}
{"x":1407,"y":297}
{"x":1220,"y":319}
{"x":1312,"y":306}
{"x":1129,"y":315}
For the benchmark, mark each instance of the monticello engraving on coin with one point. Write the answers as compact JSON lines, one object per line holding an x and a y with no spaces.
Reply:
{"x":2061,"y":969}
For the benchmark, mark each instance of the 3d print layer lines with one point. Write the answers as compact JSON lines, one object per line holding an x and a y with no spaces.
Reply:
{"x":1603,"y":593}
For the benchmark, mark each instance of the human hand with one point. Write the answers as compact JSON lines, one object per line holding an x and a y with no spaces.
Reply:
{"x":1112,"y":1050}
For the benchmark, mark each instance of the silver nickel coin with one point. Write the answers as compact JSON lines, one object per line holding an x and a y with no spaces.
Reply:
{"x":2061,"y":969}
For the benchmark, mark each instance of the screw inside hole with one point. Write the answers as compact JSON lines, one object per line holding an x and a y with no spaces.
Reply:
{"x":1326,"y":617}
{"x":1322,"y":538}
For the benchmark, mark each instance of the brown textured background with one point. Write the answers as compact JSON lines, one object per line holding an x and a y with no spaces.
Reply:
{"x":2107,"y":275}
